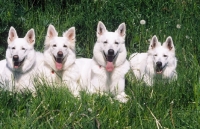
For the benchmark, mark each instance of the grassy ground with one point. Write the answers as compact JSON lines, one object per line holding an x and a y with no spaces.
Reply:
{"x":174,"y":105}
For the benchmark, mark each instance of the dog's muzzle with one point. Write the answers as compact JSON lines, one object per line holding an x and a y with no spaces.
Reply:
{"x":59,"y":59}
{"x":16,"y":61}
{"x":110,"y":56}
{"x":160,"y":67}
{"x":110,"y":59}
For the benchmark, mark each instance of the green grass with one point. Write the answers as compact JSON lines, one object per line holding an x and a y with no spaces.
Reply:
{"x":174,"y":105}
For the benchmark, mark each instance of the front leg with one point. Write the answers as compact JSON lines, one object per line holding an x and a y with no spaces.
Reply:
{"x":148,"y":79}
{"x":99,"y":78}
{"x":170,"y":73}
{"x":72,"y":86}
{"x":117,"y":86}
{"x":70,"y":78}
{"x":118,"y":89}
{"x":8,"y":80}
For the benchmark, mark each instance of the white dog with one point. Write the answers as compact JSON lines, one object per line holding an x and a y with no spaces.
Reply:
{"x":158,"y":60}
{"x":105,"y":72}
{"x":21,"y":61}
{"x":59,"y":59}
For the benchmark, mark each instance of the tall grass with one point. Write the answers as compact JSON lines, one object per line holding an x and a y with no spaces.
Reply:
{"x":174,"y":105}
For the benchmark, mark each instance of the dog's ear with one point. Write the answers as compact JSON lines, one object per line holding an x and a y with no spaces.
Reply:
{"x":30,"y":37}
{"x":51,"y":32}
{"x":122,"y":30}
{"x":101,"y":28}
{"x":12,"y":35}
{"x":70,"y":34}
{"x":169,"y":44}
{"x":154,"y":43}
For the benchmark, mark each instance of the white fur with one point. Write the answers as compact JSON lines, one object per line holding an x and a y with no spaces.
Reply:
{"x":69,"y":73}
{"x":144,"y":64}
{"x":94,"y":76}
{"x":20,"y":79}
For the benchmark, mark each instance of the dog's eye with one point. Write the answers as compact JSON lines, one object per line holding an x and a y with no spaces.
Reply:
{"x":105,"y":42}
{"x":155,"y":55}
{"x":64,"y":45}
{"x":23,"y":48}
{"x":54,"y":45}
{"x":116,"y":42}
{"x":13,"y":47}
{"x":165,"y":55}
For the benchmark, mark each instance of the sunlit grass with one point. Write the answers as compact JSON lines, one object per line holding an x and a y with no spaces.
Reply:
{"x":174,"y":105}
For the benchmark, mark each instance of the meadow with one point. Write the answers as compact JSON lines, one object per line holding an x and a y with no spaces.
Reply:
{"x":164,"y":105}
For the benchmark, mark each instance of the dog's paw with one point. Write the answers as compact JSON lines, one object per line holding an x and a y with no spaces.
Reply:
{"x":76,"y":94}
{"x":123,"y":98}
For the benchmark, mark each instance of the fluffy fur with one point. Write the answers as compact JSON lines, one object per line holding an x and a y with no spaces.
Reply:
{"x":105,"y":72}
{"x":160,"y":59}
{"x":59,"y":58}
{"x":21,"y":61}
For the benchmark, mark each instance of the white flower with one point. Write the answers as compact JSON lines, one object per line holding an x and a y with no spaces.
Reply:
{"x":187,"y":37}
{"x":142,"y":22}
{"x":89,"y":109}
{"x":178,"y":26}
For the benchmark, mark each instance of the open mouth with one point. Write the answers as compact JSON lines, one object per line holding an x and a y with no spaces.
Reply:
{"x":17,"y":64}
{"x":109,"y":61}
{"x":159,"y":70}
{"x":59,"y":61}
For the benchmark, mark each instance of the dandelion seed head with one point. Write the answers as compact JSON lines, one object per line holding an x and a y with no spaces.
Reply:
{"x":178,"y":26}
{"x":142,"y":22}
{"x":89,"y":109}
{"x":187,"y":37}
{"x":71,"y":114}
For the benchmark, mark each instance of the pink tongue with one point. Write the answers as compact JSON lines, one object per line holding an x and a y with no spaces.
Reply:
{"x":16,"y":67}
{"x":109,"y":66}
{"x":58,"y":66}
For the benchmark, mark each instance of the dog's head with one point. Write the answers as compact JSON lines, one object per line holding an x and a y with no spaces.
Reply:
{"x":162,"y":55}
{"x":59,"y":48}
{"x":109,"y":46}
{"x":19,"y":49}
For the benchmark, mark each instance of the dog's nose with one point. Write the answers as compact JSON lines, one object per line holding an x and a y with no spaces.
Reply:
{"x":159,"y":64}
{"x":110,"y":52}
{"x":15,"y":58}
{"x":60,"y":54}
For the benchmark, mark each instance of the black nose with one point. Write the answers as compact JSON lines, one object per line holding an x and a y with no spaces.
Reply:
{"x":159,"y":64}
{"x":60,"y":54}
{"x":110,"y":52}
{"x":15,"y":58}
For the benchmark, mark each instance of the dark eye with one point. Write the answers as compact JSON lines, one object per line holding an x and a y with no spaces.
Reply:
{"x":64,"y":45}
{"x":116,"y":42}
{"x":13,"y":47}
{"x":155,"y":55}
{"x":54,"y":45}
{"x":105,"y":42}
{"x":165,"y":55}
{"x":23,"y":48}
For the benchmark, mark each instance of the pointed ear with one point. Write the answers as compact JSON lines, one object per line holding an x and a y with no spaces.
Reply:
{"x":70,"y":34}
{"x":12,"y":35}
{"x":30,"y":37}
{"x":154,"y":43}
{"x":122,"y":30}
{"x":51,"y":32}
{"x":169,"y":43}
{"x":101,"y":28}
